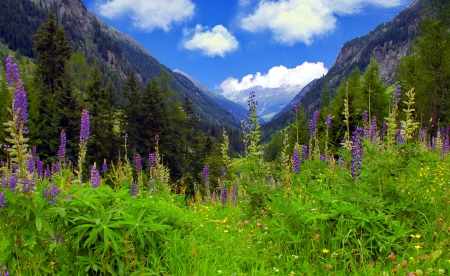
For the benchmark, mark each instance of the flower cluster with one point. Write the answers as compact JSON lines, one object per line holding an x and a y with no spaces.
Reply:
{"x":134,"y":189}
{"x":138,"y":163}
{"x":2,"y":201}
{"x":104,"y":167}
{"x":85,"y":127}
{"x":313,"y":123}
{"x":95,"y":177}
{"x":357,"y":152}
{"x":152,"y":159}
{"x":224,"y":195}
{"x":396,"y":95}
{"x":51,"y":192}
{"x":206,"y":172}
{"x":62,"y":147}
{"x":3,"y":270}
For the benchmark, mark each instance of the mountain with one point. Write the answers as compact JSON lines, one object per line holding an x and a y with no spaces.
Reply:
{"x":388,"y":43}
{"x":297,"y":98}
{"x":270,"y":100}
{"x":115,"y":52}
{"x":237,"y":110}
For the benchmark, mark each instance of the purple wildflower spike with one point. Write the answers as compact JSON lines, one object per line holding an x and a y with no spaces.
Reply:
{"x":85,"y":127}
{"x":357,"y":152}
{"x":95,"y":177}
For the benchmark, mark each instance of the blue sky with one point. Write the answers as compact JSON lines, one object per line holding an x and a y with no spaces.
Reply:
{"x":235,"y":44}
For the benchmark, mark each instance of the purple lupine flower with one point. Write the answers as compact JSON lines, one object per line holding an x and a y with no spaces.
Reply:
{"x":48,"y":173}
{"x":20,"y":106}
{"x":2,"y":201}
{"x":206,"y":172}
{"x":138,"y":163}
{"x":33,"y":151}
{"x":4,"y":270}
{"x":156,"y":137}
{"x":134,"y":189}
{"x":56,"y":167}
{"x":313,"y":123}
{"x":323,"y":158}
{"x":399,"y":137}
{"x":373,"y":129}
{"x":423,"y":135}
{"x":62,"y":147}
{"x":104,"y":167}
{"x":30,"y":165}
{"x":39,"y":167}
{"x":433,"y":144}
{"x":383,"y":129}
{"x":224,"y":195}
{"x":51,"y":192}
{"x":365,"y":115}
{"x":295,"y":161}
{"x":152,"y":159}
{"x":95,"y":177}
{"x":236,"y":188}
{"x":396,"y":95}
{"x":304,"y":153}
{"x":328,"y":121}
{"x":15,"y":167}
{"x":9,"y":71}
{"x":85,"y":127}
{"x":445,"y":146}
{"x":357,"y":152}
{"x":27,"y":185}
{"x":13,"y":180}
{"x":4,"y":181}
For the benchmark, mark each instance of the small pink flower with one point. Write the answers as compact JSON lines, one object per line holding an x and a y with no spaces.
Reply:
{"x":372,"y":263}
{"x":245,"y":222}
{"x":260,"y":225}
{"x":262,"y":211}
{"x":329,"y":267}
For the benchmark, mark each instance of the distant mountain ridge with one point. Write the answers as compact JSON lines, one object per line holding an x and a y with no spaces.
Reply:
{"x":270,"y":100}
{"x":115,"y":52}
{"x":237,"y":110}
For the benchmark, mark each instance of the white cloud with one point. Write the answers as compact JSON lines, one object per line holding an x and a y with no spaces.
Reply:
{"x":276,"y":77}
{"x":217,"y":41}
{"x":292,"y":21}
{"x":149,"y":14}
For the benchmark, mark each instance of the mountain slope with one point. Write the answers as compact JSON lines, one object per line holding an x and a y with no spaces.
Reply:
{"x":116,"y":53}
{"x":388,"y":43}
{"x":270,"y":100}
{"x":237,"y":110}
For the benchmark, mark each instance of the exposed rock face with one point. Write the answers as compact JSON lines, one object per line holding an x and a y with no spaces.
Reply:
{"x":388,"y":43}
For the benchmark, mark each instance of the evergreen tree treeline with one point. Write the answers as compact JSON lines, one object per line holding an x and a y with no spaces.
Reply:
{"x":63,"y":84}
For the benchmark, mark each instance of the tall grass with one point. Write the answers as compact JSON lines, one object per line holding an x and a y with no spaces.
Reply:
{"x":378,"y":206}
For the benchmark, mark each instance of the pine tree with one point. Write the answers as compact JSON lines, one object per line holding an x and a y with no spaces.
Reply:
{"x":155,"y":114}
{"x":376,"y":102}
{"x":132,"y":113}
{"x":53,"y":52}
{"x":428,"y":70}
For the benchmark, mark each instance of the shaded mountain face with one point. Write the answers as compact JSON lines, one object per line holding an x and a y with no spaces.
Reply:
{"x":115,"y":52}
{"x":237,"y":110}
{"x":388,"y":43}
